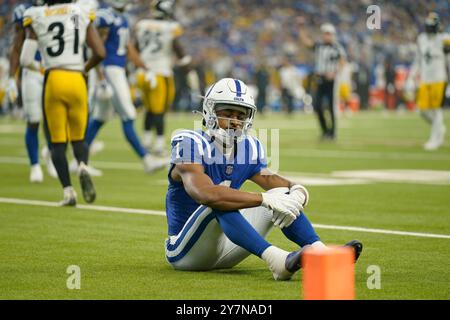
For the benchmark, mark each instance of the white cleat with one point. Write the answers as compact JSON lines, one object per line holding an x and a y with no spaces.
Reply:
{"x":96,"y":147}
{"x":431,"y":145}
{"x":94,"y":172}
{"x":70,"y":198}
{"x":73,"y":167}
{"x":36,"y":174}
{"x":159,"y":147}
{"x":436,"y":141}
{"x":46,"y":155}
{"x":152,"y":163}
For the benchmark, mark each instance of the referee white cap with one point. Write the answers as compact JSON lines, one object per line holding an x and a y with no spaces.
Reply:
{"x":328,"y":28}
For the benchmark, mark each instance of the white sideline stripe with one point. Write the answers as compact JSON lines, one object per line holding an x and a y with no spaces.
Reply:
{"x":162,"y":213}
{"x":382,"y":231}
{"x":82,"y":206}
{"x":371,"y":155}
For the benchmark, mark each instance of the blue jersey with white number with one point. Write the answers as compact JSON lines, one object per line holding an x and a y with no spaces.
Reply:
{"x":118,"y":36}
{"x":197,"y":147}
{"x":18,"y":19}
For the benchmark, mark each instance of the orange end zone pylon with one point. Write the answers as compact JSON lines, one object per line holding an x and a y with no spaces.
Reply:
{"x":328,"y":274}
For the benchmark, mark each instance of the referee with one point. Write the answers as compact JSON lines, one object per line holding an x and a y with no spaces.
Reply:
{"x":329,"y":58}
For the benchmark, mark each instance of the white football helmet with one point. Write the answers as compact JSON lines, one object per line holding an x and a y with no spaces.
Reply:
{"x":228,"y":93}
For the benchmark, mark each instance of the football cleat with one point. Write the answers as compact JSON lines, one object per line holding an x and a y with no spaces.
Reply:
{"x":70,"y":198}
{"x":357,"y":247}
{"x":51,"y":170}
{"x":96,"y":147}
{"x":93,"y":172}
{"x":36,"y":175}
{"x":294,"y":260}
{"x":152,"y":163}
{"x":436,"y":141}
{"x":87,"y":186}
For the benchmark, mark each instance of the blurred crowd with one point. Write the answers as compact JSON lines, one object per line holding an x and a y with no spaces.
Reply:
{"x":241,"y":38}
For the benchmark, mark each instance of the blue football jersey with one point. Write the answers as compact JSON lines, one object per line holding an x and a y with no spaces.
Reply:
{"x":197,"y":147}
{"x":118,"y":36}
{"x":18,"y":19}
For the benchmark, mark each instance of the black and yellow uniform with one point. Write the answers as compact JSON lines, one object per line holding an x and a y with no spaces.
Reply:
{"x":61,"y":29}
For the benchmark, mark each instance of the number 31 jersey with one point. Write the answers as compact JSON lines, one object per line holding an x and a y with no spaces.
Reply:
{"x":61,"y":31}
{"x":155,"y":42}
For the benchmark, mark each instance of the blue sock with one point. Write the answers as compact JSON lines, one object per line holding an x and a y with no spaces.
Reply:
{"x":133,"y":140}
{"x":240,"y":232}
{"x":93,"y":129}
{"x":301,"y":231}
{"x":32,"y":144}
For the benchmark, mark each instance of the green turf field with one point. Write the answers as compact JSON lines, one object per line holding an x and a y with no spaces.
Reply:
{"x":121,"y":255}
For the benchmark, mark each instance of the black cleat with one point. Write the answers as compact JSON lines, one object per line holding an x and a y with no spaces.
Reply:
{"x":357,"y":247}
{"x":293,"y":261}
{"x":87,"y":186}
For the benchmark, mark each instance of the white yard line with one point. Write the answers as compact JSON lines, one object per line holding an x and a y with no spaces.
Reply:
{"x":350,"y":154}
{"x":162,"y":213}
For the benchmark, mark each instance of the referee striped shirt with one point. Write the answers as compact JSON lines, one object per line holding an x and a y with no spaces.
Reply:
{"x":327,"y":56}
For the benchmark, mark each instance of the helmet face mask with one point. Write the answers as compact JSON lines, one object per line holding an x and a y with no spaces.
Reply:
{"x":162,"y":9}
{"x":228,"y":110}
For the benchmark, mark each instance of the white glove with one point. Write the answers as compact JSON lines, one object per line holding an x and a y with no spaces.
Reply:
{"x":104,"y":90}
{"x":285,"y":208}
{"x":11,"y":90}
{"x":150,"y":76}
{"x":447,"y":91}
{"x":300,"y":193}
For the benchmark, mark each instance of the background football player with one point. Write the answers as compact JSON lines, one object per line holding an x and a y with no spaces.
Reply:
{"x":113,"y":89}
{"x":158,"y":44}
{"x":61,"y":31}
{"x":31,"y":92}
{"x":432,"y":65}
{"x":213,"y":225}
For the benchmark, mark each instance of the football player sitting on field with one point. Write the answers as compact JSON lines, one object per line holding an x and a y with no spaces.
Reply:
{"x":214,"y":225}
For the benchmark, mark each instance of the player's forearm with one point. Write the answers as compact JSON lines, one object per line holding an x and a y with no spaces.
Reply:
{"x":13,"y":63}
{"x":267,"y":180}
{"x":14,"y":60}
{"x":134,"y":56}
{"x":93,"y":62}
{"x":98,"y":49}
{"x":227,"y":199}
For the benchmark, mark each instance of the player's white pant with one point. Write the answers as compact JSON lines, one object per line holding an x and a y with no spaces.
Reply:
{"x":92,"y":84}
{"x":32,"y":82}
{"x":202,"y":245}
{"x":121,"y":100}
